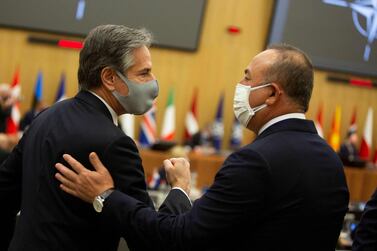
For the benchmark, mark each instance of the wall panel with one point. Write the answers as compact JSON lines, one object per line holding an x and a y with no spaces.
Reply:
{"x":217,"y":66}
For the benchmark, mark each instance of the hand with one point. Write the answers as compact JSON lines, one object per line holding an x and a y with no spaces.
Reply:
{"x":178,"y":173}
{"x":4,"y":142}
{"x":9,"y":102}
{"x":81,"y":182}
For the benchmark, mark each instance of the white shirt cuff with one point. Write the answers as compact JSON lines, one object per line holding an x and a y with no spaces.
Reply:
{"x":183,"y":191}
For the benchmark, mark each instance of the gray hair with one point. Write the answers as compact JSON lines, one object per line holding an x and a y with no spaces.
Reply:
{"x":109,"y":46}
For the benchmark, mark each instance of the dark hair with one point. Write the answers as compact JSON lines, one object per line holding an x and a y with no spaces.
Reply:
{"x":108,"y":45}
{"x":293,"y":70}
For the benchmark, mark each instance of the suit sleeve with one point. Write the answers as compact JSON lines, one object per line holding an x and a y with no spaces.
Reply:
{"x":175,"y":203}
{"x":366,"y":232}
{"x":10,"y":194}
{"x":125,"y":166}
{"x":233,"y":202}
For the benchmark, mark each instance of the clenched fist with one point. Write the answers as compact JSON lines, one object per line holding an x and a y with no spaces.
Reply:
{"x":178,"y":173}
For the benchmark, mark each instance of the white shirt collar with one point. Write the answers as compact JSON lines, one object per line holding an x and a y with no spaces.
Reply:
{"x":114,"y":116}
{"x":281,"y":118}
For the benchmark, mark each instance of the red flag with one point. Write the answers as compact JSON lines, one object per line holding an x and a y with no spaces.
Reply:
{"x":13,"y":121}
{"x":366,"y":142}
{"x":191,"y":122}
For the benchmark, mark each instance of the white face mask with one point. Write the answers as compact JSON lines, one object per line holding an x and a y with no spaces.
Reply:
{"x":241,"y":105}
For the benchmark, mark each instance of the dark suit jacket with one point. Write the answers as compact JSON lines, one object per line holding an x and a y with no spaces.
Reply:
{"x":27,"y":119}
{"x":366,"y":231}
{"x":285,"y":191}
{"x":51,"y":219}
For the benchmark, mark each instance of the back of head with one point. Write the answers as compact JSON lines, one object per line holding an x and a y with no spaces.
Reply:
{"x":293,"y":70}
{"x":109,"y":45}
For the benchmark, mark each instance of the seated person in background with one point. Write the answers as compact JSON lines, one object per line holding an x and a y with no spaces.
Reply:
{"x":202,"y":141}
{"x":348,"y":152}
{"x":7,"y":141}
{"x":366,"y":231}
{"x":6,"y":103}
{"x":31,"y":114}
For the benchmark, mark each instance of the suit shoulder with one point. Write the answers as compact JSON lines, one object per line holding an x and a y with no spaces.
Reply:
{"x":247,"y":157}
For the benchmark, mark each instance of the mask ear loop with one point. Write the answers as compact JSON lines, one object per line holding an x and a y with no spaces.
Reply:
{"x":259,"y":86}
{"x":260,"y":107}
{"x":124,"y":79}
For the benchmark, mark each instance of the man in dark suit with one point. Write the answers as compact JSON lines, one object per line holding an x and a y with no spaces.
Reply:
{"x":114,"y":78}
{"x":284,"y":191}
{"x":348,"y":151}
{"x":366,"y":231}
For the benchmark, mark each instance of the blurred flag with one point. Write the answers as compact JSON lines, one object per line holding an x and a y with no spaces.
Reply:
{"x":218,"y":126}
{"x":334,"y":139}
{"x":155,"y":180}
{"x":237,"y":134}
{"x":13,"y":122}
{"x":38,"y":89}
{"x":191,"y":121}
{"x":319,"y":121}
{"x":60,"y":94}
{"x":353,"y":125}
{"x":127,"y":122}
{"x":366,"y":141}
{"x":168,"y":126}
{"x":148,"y":128}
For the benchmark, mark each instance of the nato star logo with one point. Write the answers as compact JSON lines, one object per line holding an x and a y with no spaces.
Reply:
{"x":366,"y":9}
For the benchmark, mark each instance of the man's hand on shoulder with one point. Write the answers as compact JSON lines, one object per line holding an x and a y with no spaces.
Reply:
{"x":82,"y":182}
{"x":178,"y":173}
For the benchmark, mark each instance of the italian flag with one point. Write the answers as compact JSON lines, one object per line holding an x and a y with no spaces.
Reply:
{"x":168,"y":126}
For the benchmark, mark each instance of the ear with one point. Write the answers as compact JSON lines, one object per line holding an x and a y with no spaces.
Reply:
{"x":109,"y":78}
{"x":275,"y":94}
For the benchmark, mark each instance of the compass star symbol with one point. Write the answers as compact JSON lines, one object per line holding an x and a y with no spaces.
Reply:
{"x":367,"y":9}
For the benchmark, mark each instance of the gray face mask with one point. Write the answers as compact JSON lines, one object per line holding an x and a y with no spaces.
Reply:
{"x":140,"y":96}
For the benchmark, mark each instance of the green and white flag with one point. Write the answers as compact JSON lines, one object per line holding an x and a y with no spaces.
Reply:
{"x":168,"y":126}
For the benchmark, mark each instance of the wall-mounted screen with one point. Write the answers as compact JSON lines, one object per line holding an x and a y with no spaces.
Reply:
{"x":174,"y":23}
{"x":338,"y":35}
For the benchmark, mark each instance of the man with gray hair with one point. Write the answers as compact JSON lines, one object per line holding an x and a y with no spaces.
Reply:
{"x":115,"y":77}
{"x":284,"y":191}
